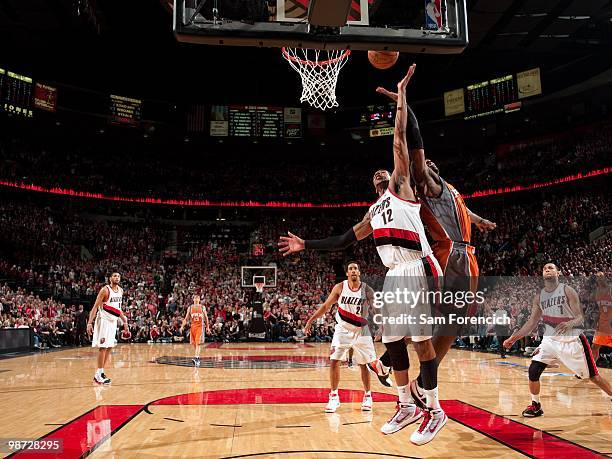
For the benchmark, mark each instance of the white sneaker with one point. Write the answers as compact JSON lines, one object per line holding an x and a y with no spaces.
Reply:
{"x":433,"y":421}
{"x":332,"y":404}
{"x":366,"y":405}
{"x":404,"y":415}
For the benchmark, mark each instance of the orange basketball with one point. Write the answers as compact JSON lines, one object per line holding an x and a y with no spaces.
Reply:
{"x":383,"y":59}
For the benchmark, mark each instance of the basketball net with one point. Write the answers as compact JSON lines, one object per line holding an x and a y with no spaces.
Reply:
{"x":259,"y":286}
{"x":319,"y":70}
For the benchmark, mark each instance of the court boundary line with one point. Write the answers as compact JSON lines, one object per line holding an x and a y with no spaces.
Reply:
{"x":526,"y":425}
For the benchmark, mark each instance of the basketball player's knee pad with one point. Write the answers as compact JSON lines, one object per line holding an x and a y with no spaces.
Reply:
{"x":535,"y":370}
{"x":399,"y":355}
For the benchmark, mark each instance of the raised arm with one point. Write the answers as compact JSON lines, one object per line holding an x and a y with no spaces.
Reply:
{"x":427,"y":181}
{"x":293,"y":244}
{"x":325,"y":307}
{"x":532,"y":322}
{"x":400,"y":178}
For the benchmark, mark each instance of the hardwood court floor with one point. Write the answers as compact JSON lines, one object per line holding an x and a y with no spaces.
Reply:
{"x":267,"y":400}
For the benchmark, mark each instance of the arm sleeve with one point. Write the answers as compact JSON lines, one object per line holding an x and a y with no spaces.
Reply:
{"x":415,"y":141}
{"x":333,"y":242}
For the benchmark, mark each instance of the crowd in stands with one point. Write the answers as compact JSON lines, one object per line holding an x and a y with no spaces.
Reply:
{"x":104,"y":167}
{"x":54,"y":261}
{"x":54,"y":299}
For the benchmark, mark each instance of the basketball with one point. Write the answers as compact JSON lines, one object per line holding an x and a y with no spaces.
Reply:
{"x":383,"y":59}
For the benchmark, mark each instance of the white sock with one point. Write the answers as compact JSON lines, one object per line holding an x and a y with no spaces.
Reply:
{"x":535,"y":398}
{"x":367,"y":393}
{"x":98,"y":372}
{"x":432,"y":398}
{"x":334,"y":392}
{"x":404,"y":395}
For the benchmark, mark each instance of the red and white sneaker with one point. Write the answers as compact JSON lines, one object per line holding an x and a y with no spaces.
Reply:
{"x":404,"y":416}
{"x":100,"y":379}
{"x":433,"y":421}
{"x":382,"y":373}
{"x":366,"y":405}
{"x":333,"y":404}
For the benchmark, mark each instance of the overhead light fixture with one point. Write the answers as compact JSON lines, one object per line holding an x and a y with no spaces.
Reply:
{"x":571,"y":18}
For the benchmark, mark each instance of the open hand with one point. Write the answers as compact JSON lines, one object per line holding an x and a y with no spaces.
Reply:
{"x":290,"y":244}
{"x":401,"y":86}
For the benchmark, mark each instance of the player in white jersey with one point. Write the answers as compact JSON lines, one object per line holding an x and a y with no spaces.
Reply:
{"x":399,"y":235}
{"x":558,"y":306}
{"x":354,"y":300}
{"x":106,"y":311}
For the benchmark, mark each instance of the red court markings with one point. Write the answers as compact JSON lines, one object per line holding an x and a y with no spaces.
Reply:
{"x":257,"y":348}
{"x":87,"y":432}
{"x":272,"y":358}
{"x":520,"y":437}
{"x":268,"y":396}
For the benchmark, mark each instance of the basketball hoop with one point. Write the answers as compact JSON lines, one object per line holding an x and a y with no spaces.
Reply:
{"x":259,"y":282}
{"x":319,"y":70}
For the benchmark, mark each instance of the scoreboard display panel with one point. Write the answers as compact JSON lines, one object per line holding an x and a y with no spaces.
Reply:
{"x":378,"y":119}
{"x":491,"y":96}
{"x":16,"y":93}
{"x":498,"y":95}
{"x":261,"y":121}
{"x":125,"y":110}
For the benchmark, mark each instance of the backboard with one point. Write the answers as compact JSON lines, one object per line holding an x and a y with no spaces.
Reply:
{"x":252,"y":274}
{"x":419,"y":26}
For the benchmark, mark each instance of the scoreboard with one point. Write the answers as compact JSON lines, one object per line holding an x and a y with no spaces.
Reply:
{"x":255,"y":121}
{"x":125,"y":110}
{"x":378,"y":119}
{"x":16,"y":93}
{"x":489,"y":97}
{"x":498,"y":95}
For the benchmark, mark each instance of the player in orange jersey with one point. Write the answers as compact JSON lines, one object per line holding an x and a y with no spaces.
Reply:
{"x":197,"y":313}
{"x":449,"y":223}
{"x":603,"y":298}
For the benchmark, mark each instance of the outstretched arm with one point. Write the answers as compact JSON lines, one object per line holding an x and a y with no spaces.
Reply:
{"x":293,"y":244}
{"x":532,"y":322}
{"x":325,"y":307}
{"x":482,"y":224}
